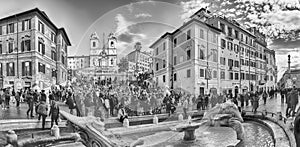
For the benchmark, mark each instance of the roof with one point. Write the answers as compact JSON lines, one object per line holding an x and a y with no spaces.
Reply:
{"x":184,"y":25}
{"x":44,"y":16}
{"x":202,"y":9}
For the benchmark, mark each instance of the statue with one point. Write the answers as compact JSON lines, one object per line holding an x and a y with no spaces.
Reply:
{"x":226,"y":114}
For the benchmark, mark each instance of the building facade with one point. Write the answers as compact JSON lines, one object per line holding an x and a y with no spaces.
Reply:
{"x":212,"y":53}
{"x":289,"y":79}
{"x":32,"y":50}
{"x":78,"y":62}
{"x":139,"y":59}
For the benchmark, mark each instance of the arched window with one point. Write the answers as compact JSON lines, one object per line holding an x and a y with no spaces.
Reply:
{"x":201,"y":54}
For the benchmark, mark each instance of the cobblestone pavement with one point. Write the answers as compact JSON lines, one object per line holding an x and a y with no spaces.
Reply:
{"x":20,"y":113}
{"x":272,"y":105}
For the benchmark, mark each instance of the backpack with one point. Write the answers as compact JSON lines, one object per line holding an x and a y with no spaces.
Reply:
{"x":42,"y":109}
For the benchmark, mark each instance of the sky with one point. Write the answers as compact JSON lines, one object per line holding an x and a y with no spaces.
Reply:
{"x":145,"y":21}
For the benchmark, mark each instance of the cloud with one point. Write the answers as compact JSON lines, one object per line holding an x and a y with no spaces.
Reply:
{"x":191,"y":7}
{"x":143,"y":15}
{"x":127,"y":33}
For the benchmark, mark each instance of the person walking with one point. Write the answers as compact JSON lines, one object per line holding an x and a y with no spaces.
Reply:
{"x":242,"y":100}
{"x":264,"y":96}
{"x":289,"y":105}
{"x":30,"y":102}
{"x":18,"y":98}
{"x":54,"y":113}
{"x":255,"y":102}
{"x":7,"y":98}
{"x":43,"y":112}
{"x":282,"y":95}
{"x":293,"y":101}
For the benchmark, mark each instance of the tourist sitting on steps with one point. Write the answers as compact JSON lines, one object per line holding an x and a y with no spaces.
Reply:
{"x":122,"y":113}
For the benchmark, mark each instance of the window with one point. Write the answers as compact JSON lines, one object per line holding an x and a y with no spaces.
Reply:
{"x":247,"y":76}
{"x":26,"y":24}
{"x":215,"y":74}
{"x":242,"y":76}
{"x":188,"y":35}
{"x":10,"y":47}
{"x":222,"y":27}
{"x":201,"y":72}
{"x":1,"y":70}
{"x":175,"y":77}
{"x":223,"y":43}
{"x":1,"y":49}
{"x":175,"y":60}
{"x":62,"y":59}
{"x":236,"y":76}
{"x":188,"y":73}
{"x":41,"y":27}
{"x":201,"y":54}
{"x":25,"y":45}
{"x":41,"y":48}
{"x":215,"y":57}
{"x":157,"y":66}
{"x":236,"y":48}
{"x":214,"y":37}
{"x":1,"y":30}
{"x":164,"y":63}
{"x":236,"y":63}
{"x":94,"y":44}
{"x":230,"y":62}
{"x":223,"y":60}
{"x":164,"y":78}
{"x":10,"y":68}
{"x":246,"y":39}
{"x":229,"y":31}
{"x":222,"y":75}
{"x":52,"y":37}
{"x":242,"y":37}
{"x":53,"y":55}
{"x":230,"y":76}
{"x":10,"y":28}
{"x":229,"y":47}
{"x":26,"y":68}
{"x":175,"y":42}
{"x":164,"y":46}
{"x":236,"y":34}
{"x":201,"y":33}
{"x":242,"y":61}
{"x":42,"y":68}
{"x":188,"y":54}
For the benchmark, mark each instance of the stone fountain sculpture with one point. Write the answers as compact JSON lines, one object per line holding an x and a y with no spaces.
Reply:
{"x":227,"y":115}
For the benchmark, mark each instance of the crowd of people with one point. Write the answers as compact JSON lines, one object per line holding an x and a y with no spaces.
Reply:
{"x":122,"y":99}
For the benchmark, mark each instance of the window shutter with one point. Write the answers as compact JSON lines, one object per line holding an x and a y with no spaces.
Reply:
{"x":30,"y":68}
{"x":23,"y":69}
{"x":43,"y":49}
{"x":23,"y":25}
{"x":13,"y":69}
{"x":7,"y":29}
{"x":29,"y":23}
{"x":7,"y":69}
{"x":22,"y":46}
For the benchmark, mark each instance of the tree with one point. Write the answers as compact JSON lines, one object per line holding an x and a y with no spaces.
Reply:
{"x":273,"y":18}
{"x":123,"y":65}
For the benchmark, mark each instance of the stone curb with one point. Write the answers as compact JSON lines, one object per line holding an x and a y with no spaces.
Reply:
{"x":289,"y":134}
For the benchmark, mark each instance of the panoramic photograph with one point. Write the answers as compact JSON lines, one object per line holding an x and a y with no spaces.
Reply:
{"x":149,"y":73}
